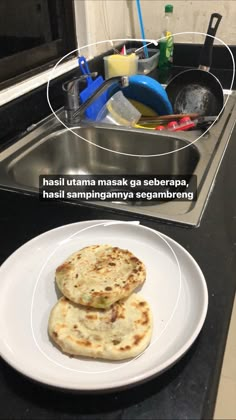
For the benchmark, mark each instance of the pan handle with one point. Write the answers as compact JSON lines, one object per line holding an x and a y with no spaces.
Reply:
{"x":206,"y":53}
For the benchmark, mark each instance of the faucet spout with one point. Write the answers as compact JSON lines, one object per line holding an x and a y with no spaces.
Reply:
{"x":120,"y":81}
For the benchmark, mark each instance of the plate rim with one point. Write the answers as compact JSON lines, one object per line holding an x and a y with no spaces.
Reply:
{"x":137,"y":379}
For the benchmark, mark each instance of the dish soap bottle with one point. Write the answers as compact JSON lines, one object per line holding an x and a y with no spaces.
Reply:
{"x":167,"y":44}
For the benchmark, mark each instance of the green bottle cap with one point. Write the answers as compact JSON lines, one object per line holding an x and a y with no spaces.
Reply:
{"x":168,"y":8}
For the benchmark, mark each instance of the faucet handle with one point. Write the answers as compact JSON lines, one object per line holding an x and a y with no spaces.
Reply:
{"x":71,"y":89}
{"x":73,"y":84}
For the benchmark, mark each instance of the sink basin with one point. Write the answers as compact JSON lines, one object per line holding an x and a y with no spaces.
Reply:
{"x":50,"y":149}
{"x":64,"y":153}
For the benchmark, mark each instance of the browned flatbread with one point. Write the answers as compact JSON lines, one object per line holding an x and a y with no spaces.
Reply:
{"x":120,"y":332}
{"x":100,"y":275}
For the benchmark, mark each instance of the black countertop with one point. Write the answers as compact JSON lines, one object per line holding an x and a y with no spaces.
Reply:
{"x":188,"y":389}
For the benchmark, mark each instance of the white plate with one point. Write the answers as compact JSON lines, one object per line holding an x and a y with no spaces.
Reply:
{"x":175,"y":288}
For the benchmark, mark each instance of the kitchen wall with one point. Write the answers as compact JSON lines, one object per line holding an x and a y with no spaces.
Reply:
{"x":118,"y":19}
{"x":104,"y":20}
{"x":189,"y":15}
{"x":98,"y":20}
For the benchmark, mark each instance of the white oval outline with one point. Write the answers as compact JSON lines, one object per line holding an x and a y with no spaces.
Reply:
{"x":150,"y":42}
{"x":108,"y":223}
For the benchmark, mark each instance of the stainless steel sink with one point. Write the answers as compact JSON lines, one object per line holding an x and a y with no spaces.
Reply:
{"x":64,"y":153}
{"x":51,"y":149}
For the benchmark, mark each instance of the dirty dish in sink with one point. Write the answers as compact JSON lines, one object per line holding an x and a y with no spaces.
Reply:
{"x":119,"y":111}
{"x":197,"y":90}
{"x":147,"y":91}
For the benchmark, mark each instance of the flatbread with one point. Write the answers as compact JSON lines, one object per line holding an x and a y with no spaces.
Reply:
{"x":120,"y":332}
{"x":100,"y":275}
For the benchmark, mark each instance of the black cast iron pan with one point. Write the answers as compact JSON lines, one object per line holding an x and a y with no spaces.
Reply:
{"x":197,"y":90}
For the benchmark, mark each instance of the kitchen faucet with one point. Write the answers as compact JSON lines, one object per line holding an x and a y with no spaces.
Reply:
{"x":74,"y":111}
{"x":71,"y":90}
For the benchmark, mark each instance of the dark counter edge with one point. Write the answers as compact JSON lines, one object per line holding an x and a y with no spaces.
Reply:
{"x":18,"y":115}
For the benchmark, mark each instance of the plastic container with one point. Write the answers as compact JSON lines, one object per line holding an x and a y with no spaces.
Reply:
{"x":120,"y":65}
{"x":119,"y":111}
{"x":146,"y":65}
